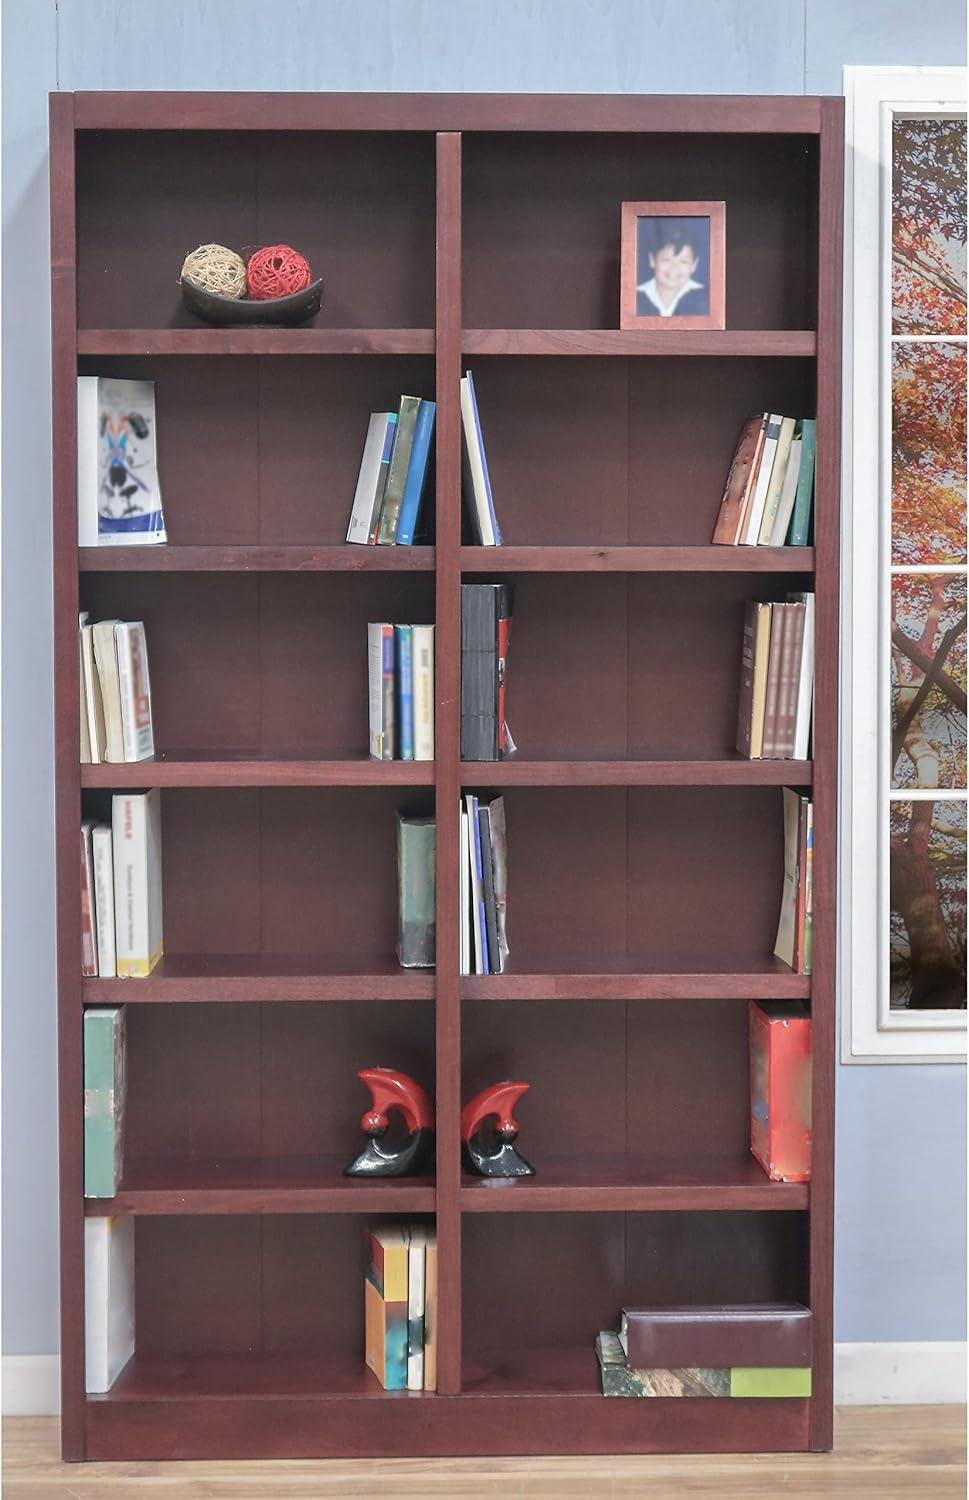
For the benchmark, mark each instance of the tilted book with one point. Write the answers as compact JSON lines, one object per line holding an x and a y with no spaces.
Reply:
{"x":106,"y":662}
{"x":731,"y":506}
{"x":416,"y":480}
{"x":416,"y":917}
{"x":488,"y":880}
{"x":778,"y":474}
{"x":118,"y":494}
{"x":372,"y":479}
{"x":104,"y":1100}
{"x":499,"y":859}
{"x":397,"y":473}
{"x":109,"y":1299}
{"x":136,"y":825}
{"x":94,"y":708}
{"x":758,"y":499}
{"x":785,"y":509}
{"x":785,"y":945}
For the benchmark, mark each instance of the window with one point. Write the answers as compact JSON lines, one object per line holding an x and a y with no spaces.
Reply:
{"x":903,"y":967}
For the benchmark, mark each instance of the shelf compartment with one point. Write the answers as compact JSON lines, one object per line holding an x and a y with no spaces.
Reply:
{"x":628,"y":559}
{"x":256,"y":559}
{"x":254,"y":341}
{"x":621,"y":1183}
{"x":247,"y":1377}
{"x":735,"y":343}
{"x":732,"y":770}
{"x":244,"y":768}
{"x":200,"y":978}
{"x":239,"y":1185}
{"x":636,"y":977}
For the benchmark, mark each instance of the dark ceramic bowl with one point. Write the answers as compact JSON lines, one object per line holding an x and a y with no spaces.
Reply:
{"x":248,"y":312}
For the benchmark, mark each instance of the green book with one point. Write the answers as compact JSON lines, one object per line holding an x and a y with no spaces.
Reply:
{"x":104,"y":1089}
{"x":767,"y":1382}
{"x":397,"y":473}
{"x":416,"y":926}
{"x":797,"y":535}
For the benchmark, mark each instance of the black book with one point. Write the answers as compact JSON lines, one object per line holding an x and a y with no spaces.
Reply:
{"x":483,"y":607}
{"x":488,"y":874}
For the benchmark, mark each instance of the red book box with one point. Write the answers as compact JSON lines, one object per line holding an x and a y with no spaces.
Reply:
{"x":780,"y":1088}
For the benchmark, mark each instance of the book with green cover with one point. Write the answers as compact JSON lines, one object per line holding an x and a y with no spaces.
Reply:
{"x":797,"y":535}
{"x":740,"y":1382}
{"x":766,"y":1382}
{"x":416,"y":924}
{"x":104,"y":1090}
{"x":397,"y":473}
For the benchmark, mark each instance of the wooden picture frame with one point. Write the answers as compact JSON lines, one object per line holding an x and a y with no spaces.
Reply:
{"x":703,"y":295}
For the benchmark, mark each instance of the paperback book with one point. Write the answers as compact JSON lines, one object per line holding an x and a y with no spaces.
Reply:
{"x":118,"y":494}
{"x":116,"y":718}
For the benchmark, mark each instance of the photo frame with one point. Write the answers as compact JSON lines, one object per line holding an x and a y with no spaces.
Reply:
{"x":673,"y":266}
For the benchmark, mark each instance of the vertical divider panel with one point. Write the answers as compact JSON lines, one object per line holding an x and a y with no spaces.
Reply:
{"x":827,"y":544}
{"x":67,"y":796}
{"x":447,"y":755}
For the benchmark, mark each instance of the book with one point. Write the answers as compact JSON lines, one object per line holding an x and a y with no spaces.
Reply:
{"x":85,"y":728}
{"x":464,"y":893}
{"x":479,"y":438}
{"x":778,"y":627}
{"x":136,"y":828}
{"x":758,"y":498}
{"x":385,"y":1305}
{"x":506,"y":745}
{"x":800,"y":528}
{"x":423,"y":677}
{"x":731,"y":505}
{"x":476,"y":485}
{"x":620,"y":1379}
{"x":404,"y":663}
{"x":485,"y":632}
{"x":770,"y":1382}
{"x":789,"y":678}
{"x":785,"y":508}
{"x":118,"y":495}
{"x":785,"y":943}
{"x":488,"y":884}
{"x":499,"y":859}
{"x":372,"y":479}
{"x":805,"y":684}
{"x":808,"y":944}
{"x":416,"y":480}
{"x":780,"y":1088}
{"x":430,"y":1309}
{"x":719,"y":1334}
{"x":753,"y":679}
{"x":416,"y":919}
{"x":131,"y":654}
{"x":103,"y":859}
{"x":106,"y":663}
{"x":416,"y":1258}
{"x":109,"y":1299}
{"x":778,"y":474}
{"x":380,"y":666}
{"x":89,"y":948}
{"x":752,"y":478}
{"x":104,"y":1099}
{"x":97,"y":738}
{"x":800,"y":904}
{"x":397,"y":472}
{"x":479,"y":923}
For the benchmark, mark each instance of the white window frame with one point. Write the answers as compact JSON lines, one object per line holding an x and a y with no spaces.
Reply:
{"x":870,"y":1030}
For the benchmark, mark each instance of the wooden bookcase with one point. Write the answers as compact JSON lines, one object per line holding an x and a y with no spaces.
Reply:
{"x":645,"y":855}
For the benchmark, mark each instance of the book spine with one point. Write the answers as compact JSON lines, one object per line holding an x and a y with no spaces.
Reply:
{"x":731,"y":505}
{"x":778,"y":619}
{"x":92,"y":695}
{"x":415,"y":1310}
{"x":801,"y":904}
{"x":479,"y":671}
{"x":106,"y":662}
{"x":482,"y":926}
{"x":375,"y":684}
{"x":778,"y":475}
{"x":488,"y":877}
{"x":104,"y":898}
{"x":372,"y":478}
{"x":135,"y":822}
{"x":109,"y":1299}
{"x":758,"y":500}
{"x":474,"y":882}
{"x":138,"y":741}
{"x":474,"y":483}
{"x":791,"y":642}
{"x":416,"y":475}
{"x":423,"y":671}
{"x":785,"y":509}
{"x":752,"y":480}
{"x":784,"y":945}
{"x":104,"y":1083}
{"x":801,"y":517}
{"x":388,"y":695}
{"x":485,"y":476}
{"x":464,"y":888}
{"x":89,"y":952}
{"x":504,"y":602}
{"x":416,"y":929}
{"x":745,"y":705}
{"x":499,"y":858}
{"x":809,"y":892}
{"x":397,"y":474}
{"x":430,"y":1312}
{"x":805,"y":680}
{"x":404,"y":652}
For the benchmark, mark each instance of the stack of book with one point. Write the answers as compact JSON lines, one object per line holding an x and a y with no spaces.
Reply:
{"x":739,"y":1350}
{"x":115,"y":692}
{"x":121,"y":889}
{"x":478,"y":499}
{"x":777,"y":679}
{"x":393,"y":472}
{"x":769,"y":494}
{"x":483,"y":886}
{"x":401,"y":677}
{"x":485,"y":634}
{"x":794,"y":928}
{"x":400,"y":1306}
{"x":780,"y":1088}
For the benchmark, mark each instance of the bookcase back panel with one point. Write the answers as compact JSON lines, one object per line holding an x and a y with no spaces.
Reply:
{"x":551,"y":1281}
{"x":600,"y":872}
{"x":266,"y":450}
{"x":627,"y":666}
{"x":262,"y":662}
{"x":542,"y":214}
{"x":665,"y":1082}
{"x":210,"y":1082}
{"x":616,"y":451}
{"x":145,"y":199}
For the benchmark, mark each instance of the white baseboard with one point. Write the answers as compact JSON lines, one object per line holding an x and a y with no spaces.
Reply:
{"x":864,"y":1375}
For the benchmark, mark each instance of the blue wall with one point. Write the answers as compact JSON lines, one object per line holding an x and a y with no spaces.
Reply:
{"x":901,"y":1130}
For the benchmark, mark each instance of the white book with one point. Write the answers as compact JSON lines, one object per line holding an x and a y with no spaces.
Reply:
{"x":92,"y":694}
{"x":372,"y":479}
{"x":778,"y":476}
{"x":136,"y":827}
{"x":118,"y":495}
{"x":464,"y":884}
{"x":131,"y":651}
{"x":415,"y":1307}
{"x":85,"y":731}
{"x":106,"y":661}
{"x":785,"y":509}
{"x":89,"y":941}
{"x":423,"y":689}
{"x":478,"y":965}
{"x":756,"y":513}
{"x":805,"y":681}
{"x":109,"y":1299}
{"x":479,"y":491}
{"x":101,"y":846}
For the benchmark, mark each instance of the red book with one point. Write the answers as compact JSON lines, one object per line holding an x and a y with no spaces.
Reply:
{"x":780,"y":1088}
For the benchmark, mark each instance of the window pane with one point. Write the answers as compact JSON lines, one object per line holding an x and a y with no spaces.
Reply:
{"x":928,"y":453}
{"x":928,"y":680}
{"x":927,"y":933}
{"x":929,"y":226}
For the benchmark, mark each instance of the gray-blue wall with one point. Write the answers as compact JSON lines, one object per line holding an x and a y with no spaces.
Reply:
{"x":901,"y":1130}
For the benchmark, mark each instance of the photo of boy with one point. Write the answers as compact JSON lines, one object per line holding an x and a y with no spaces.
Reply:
{"x":672,"y":267}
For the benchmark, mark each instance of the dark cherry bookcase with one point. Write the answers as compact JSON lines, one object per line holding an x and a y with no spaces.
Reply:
{"x":645,"y":854}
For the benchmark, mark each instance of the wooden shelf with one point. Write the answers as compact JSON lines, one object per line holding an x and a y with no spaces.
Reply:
{"x":291,"y":1185}
{"x":630,"y":1184}
{"x":254,"y":341}
{"x":732,"y":770}
{"x":593,"y":559}
{"x":795,"y":343}
{"x":261,"y":977}
{"x":225,"y":768}
{"x":337,"y":559}
{"x":617,"y":977}
{"x":249,"y":1376}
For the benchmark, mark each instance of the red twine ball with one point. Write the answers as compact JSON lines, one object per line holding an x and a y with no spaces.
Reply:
{"x":277,"y":271}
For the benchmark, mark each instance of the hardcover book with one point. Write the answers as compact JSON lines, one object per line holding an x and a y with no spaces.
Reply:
{"x":485,"y":629}
{"x":738,"y":479}
{"x":109,"y":1299}
{"x":785,"y":945}
{"x":136,"y":827}
{"x":372,"y":479}
{"x":753,"y":679}
{"x":785,"y":508}
{"x":800,"y":528}
{"x":106,"y":662}
{"x":416,"y":480}
{"x":94,"y":708}
{"x":758,"y":500}
{"x":416,"y":926}
{"x":104,"y":1100}
{"x":118,"y":494}
{"x":131,"y":655}
{"x":385,"y":1306}
{"x":780,"y":1088}
{"x":397,"y":473}
{"x":476,"y":481}
{"x":778,"y":474}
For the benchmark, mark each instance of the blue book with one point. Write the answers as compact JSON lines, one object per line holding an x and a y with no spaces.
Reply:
{"x":479,"y":883}
{"x":404,"y":640}
{"x":797,"y":535}
{"x":484,"y":460}
{"x":416,"y":475}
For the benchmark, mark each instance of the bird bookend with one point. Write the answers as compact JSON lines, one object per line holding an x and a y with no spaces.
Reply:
{"x":402,"y":1152}
{"x":489,"y":1131}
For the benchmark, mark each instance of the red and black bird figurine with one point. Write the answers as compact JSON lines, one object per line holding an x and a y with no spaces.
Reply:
{"x":489,"y":1130}
{"x":400,"y":1155}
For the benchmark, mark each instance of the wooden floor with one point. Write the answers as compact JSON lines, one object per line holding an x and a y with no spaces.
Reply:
{"x":886,"y":1453}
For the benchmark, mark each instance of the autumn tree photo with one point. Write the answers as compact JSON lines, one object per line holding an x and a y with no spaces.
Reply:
{"x":928,"y":904}
{"x":929,"y":226}
{"x":928,"y":454}
{"x":928,"y":680}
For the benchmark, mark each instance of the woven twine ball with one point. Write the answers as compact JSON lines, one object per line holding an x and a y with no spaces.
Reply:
{"x":215,"y":268}
{"x":277,"y":271}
